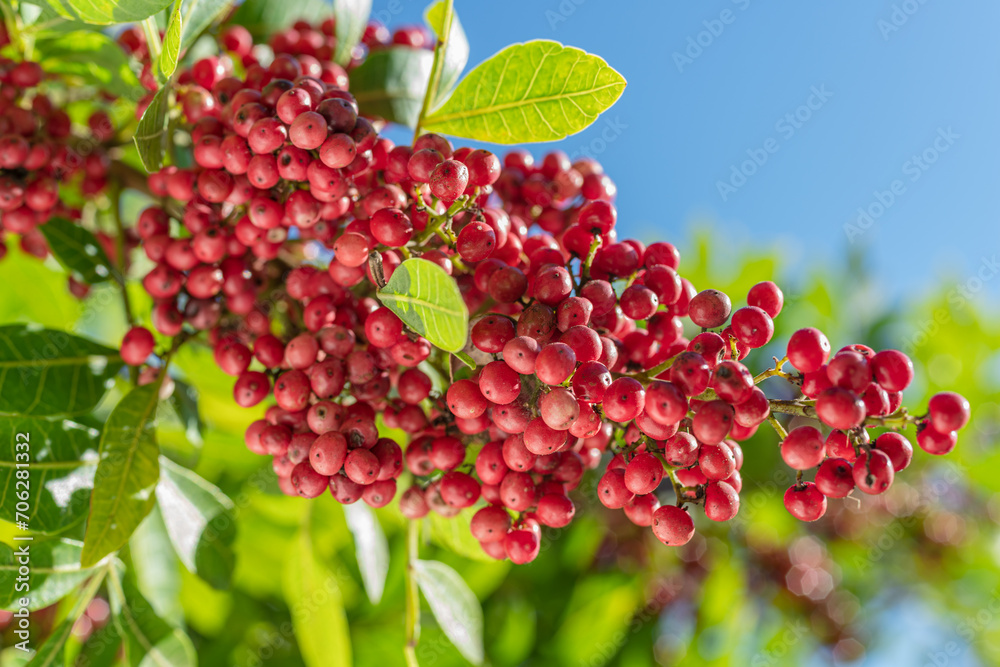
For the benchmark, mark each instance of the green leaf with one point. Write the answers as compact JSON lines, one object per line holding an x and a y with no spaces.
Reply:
{"x":456,"y":51}
{"x":265,"y":17}
{"x":52,"y":652}
{"x":100,"y":649}
{"x":454,"y":606}
{"x":155,"y":567}
{"x":318,"y":615}
{"x":351,"y":17}
{"x":48,"y":372}
{"x":466,"y":359}
{"x":78,"y":250}
{"x":108,"y":12}
{"x":184,"y":400}
{"x":198,"y":15}
{"x":428,"y":300}
{"x":55,"y":571}
{"x":371,"y":548}
{"x":536,"y":91}
{"x":170,"y":52}
{"x":391,"y":83}
{"x":63,"y":458}
{"x":126,"y":474}
{"x":149,"y":640}
{"x":199,"y":522}
{"x":150,"y":136}
{"x":90,"y":58}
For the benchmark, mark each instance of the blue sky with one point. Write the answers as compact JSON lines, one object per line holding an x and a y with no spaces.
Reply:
{"x":903,"y":123}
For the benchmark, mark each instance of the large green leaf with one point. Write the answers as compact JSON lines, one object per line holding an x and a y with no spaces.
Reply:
{"x":265,"y":17}
{"x":170,"y":52}
{"x":454,"y":605}
{"x":149,"y":640}
{"x":151,"y":135}
{"x":48,"y":372}
{"x":391,"y":83}
{"x":536,"y":91}
{"x":317,"y":608}
{"x":198,"y":15}
{"x":54,"y":571}
{"x":126,"y":476}
{"x":78,"y":250}
{"x":427,"y":299}
{"x":63,"y":458}
{"x":199,"y":521}
{"x":88,"y":58}
{"x":108,"y":12}
{"x":370,"y":547}
{"x":456,"y":51}
{"x":351,"y":17}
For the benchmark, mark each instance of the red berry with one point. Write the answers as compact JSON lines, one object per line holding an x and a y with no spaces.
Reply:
{"x":898,"y":448}
{"x":840,"y":408}
{"x":892,"y":369}
{"x":710,"y":309}
{"x":804,"y":448}
{"x":643,"y":473}
{"x":805,"y":502}
{"x":835,"y":478}
{"x":808,"y":350}
{"x":722,"y":503}
{"x":873,"y":472}
{"x":767,"y":296}
{"x":948,"y":411}
{"x":672,"y":526}
{"x":137,"y":345}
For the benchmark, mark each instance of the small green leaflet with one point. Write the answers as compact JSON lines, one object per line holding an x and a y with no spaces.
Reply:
{"x":171,"y":50}
{"x":371,"y":548}
{"x":351,"y":18}
{"x":108,"y":12}
{"x":456,"y":51}
{"x":391,"y":83}
{"x":454,"y":605}
{"x":126,"y":475}
{"x":78,"y":250}
{"x":55,"y":571}
{"x":61,"y":474}
{"x":48,"y":372}
{"x":536,"y":91}
{"x":151,"y":134}
{"x":428,"y":300}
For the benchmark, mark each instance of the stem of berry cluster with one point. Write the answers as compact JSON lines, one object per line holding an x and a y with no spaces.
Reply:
{"x":412,"y":594}
{"x":437,"y":67}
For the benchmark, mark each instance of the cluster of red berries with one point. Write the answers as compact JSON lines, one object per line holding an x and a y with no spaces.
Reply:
{"x":39,"y":150}
{"x":296,"y":211}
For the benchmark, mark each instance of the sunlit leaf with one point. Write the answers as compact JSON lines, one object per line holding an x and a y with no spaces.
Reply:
{"x":536,"y":91}
{"x":428,"y":300}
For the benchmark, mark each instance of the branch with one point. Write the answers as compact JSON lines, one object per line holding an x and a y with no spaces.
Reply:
{"x":437,"y":67}
{"x":412,"y":593}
